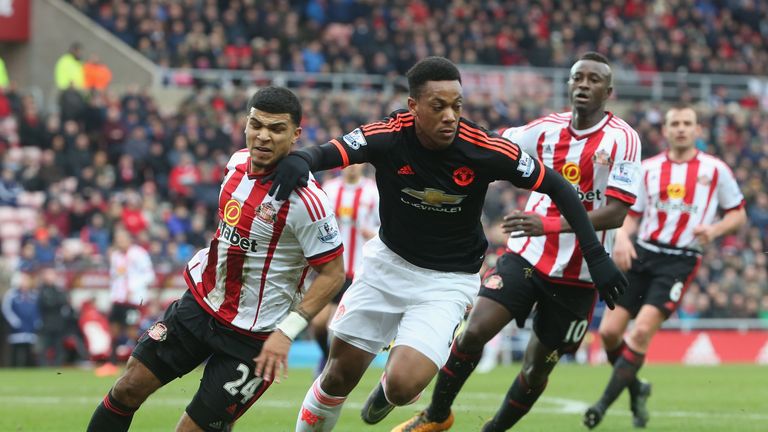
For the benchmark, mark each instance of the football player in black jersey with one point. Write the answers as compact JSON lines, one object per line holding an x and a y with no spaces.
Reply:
{"x":433,"y":168}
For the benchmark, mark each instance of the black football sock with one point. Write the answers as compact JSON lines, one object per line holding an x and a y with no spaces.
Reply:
{"x":449,"y":381}
{"x":613,"y":355}
{"x":624,"y":373}
{"x":111,"y":416}
{"x":520,"y":398}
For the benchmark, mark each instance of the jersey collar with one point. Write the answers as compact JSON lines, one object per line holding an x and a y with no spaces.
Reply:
{"x":583,"y":133}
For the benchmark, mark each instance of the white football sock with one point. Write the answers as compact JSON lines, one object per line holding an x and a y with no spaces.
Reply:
{"x":319,"y":411}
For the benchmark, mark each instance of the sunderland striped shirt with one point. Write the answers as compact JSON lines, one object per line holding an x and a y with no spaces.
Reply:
{"x":254,"y":270}
{"x":357,"y":209}
{"x":600,"y":162}
{"x":130,"y":275}
{"x":677,"y":197}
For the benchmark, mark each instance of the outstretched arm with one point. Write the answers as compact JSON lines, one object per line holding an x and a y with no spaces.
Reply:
{"x":530,"y":224}
{"x":293,"y":170}
{"x":731,"y":222}
{"x":272,"y":361}
{"x":608,"y":279}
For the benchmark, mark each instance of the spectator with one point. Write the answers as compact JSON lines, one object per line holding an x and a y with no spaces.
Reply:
{"x":69,"y":70}
{"x":10,"y":188}
{"x":4,"y":81}
{"x":183,"y":177}
{"x":96,"y":75}
{"x":21,"y":311}
{"x":56,"y":314}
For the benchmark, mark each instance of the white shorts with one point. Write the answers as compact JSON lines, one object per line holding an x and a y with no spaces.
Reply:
{"x":391,"y":298}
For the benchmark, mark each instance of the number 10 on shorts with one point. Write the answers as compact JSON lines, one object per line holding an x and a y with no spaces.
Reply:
{"x":576,"y":331}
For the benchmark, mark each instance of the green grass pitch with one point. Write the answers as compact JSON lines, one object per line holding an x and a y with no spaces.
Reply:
{"x":692,"y":398}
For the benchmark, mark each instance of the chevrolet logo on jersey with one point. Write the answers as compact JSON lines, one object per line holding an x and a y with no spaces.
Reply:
{"x":434,"y":197}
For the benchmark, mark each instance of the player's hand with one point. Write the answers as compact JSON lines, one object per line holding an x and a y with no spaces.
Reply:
{"x":291,"y":172}
{"x":609,"y":280}
{"x":705,"y":234}
{"x":623,"y":251}
{"x":272,"y":362}
{"x":529,"y":224}
{"x":520,"y":224}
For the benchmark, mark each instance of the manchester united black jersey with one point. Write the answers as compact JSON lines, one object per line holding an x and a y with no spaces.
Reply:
{"x":431,"y":200}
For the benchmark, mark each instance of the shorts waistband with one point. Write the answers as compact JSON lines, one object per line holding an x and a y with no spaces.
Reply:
{"x":667,"y":250}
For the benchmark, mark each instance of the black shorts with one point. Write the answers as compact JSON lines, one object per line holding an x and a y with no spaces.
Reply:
{"x":658,"y":279}
{"x":124,"y":314}
{"x":562,"y":312}
{"x":337,"y":298}
{"x":185,"y":338}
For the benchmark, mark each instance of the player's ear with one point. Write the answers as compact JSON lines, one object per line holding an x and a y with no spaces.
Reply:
{"x":412,"y":106}
{"x":296,"y":135}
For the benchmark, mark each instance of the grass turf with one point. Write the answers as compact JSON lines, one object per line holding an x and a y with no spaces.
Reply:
{"x":692,"y":398}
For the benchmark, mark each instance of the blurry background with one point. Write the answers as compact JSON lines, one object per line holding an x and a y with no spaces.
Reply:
{"x":122,"y":114}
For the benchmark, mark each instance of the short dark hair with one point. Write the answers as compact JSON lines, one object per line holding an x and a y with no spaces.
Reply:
{"x":680,"y":106}
{"x":431,"y":69}
{"x":594,"y":56}
{"x":276,"y":100}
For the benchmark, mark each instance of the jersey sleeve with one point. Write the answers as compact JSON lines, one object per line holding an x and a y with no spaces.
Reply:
{"x":625,"y":175}
{"x":526,"y":137}
{"x":511,"y":163}
{"x":641,"y":193}
{"x":365,"y":143}
{"x":315,"y":227}
{"x":729,"y":194}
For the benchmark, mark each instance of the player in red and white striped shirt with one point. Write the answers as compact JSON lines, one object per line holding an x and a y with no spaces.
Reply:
{"x":130,"y":274}
{"x":355,"y":200}
{"x":599,"y":155}
{"x":681,"y":191}
{"x":245,"y":286}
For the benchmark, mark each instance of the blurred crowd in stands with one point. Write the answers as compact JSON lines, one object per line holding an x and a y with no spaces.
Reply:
{"x":105,"y":159}
{"x":387,"y":36}
{"x":71,"y":177}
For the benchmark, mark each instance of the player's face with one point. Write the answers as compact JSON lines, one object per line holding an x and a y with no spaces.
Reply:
{"x":681,"y":128}
{"x":589,"y":85}
{"x":269,"y":137}
{"x":122,"y":240}
{"x":437,"y":111}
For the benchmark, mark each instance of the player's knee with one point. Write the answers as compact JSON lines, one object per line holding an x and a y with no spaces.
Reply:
{"x":640,"y":337}
{"x":610,"y":337}
{"x":130,"y":391}
{"x":535,"y":375}
{"x":402,"y":393}
{"x":472,"y":339}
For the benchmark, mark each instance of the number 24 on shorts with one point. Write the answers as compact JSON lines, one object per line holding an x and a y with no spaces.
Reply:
{"x":247,"y":390}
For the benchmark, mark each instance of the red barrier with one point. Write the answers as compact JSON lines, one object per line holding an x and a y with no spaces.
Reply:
{"x":14,"y":20}
{"x":699,"y":347}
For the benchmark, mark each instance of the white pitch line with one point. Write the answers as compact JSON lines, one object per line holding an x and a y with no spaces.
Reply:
{"x":562,"y":406}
